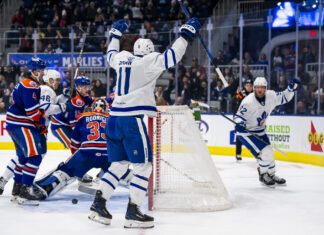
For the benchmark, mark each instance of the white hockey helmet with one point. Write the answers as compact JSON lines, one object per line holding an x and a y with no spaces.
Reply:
{"x":260,"y":81}
{"x":51,"y":73}
{"x":143,"y":46}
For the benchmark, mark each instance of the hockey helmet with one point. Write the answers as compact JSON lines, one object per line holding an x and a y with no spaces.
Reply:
{"x":36,"y":63}
{"x":260,"y":81}
{"x":82,"y":81}
{"x":143,"y":46}
{"x":51,"y":73}
{"x":99,"y":105}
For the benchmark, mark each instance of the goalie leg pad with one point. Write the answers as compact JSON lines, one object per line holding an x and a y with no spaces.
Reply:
{"x":139,"y":182}
{"x":266,"y":160}
{"x":110,"y":180}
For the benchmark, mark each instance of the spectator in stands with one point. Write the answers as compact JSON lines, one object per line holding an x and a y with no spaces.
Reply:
{"x":66,"y":81}
{"x":247,"y":75}
{"x":289,"y":61}
{"x":307,"y":56}
{"x":49,"y":49}
{"x":218,"y":92}
{"x":17,"y":20}
{"x":99,"y":88}
{"x":137,"y":11}
{"x":277,"y":60}
{"x":196,"y":67}
{"x":247,"y":59}
{"x":304,"y":76}
{"x":203,"y":91}
{"x":9,"y":74}
{"x":262,"y":59}
{"x":184,"y":90}
{"x":3,"y":83}
{"x":26,"y":44}
{"x":282,"y":83}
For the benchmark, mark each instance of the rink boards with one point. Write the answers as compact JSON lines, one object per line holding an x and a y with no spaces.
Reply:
{"x":301,"y":137}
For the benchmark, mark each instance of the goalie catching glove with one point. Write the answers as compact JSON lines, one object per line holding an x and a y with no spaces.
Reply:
{"x":190,"y":29}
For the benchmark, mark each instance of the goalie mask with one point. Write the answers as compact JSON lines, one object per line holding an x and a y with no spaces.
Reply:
{"x":99,"y":106}
{"x":143,"y":47}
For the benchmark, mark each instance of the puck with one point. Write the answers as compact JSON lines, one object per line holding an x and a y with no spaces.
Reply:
{"x":74,"y":201}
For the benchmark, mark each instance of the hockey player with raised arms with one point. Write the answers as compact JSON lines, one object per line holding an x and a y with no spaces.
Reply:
{"x":127,"y":136}
{"x":48,"y":103}
{"x":26,"y":124}
{"x":252,"y":115}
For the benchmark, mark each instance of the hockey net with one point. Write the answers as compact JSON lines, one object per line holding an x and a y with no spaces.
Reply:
{"x":184,"y":176}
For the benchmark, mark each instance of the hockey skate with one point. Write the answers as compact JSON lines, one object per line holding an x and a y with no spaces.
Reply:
{"x":15,"y":192}
{"x":136,"y":219}
{"x":238,"y":158}
{"x":278,"y":180}
{"x":266,"y":179}
{"x":28,"y":196}
{"x":3,"y":182}
{"x":99,"y":212}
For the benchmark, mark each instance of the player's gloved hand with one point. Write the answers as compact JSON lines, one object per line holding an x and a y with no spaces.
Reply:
{"x":66,"y":92}
{"x":240,"y":127}
{"x":118,"y":28}
{"x":294,"y":84}
{"x":40,"y":124}
{"x":190,"y":29}
{"x":62,"y":107}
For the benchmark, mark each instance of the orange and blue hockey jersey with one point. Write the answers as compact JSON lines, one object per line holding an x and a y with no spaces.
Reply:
{"x":24,"y":112}
{"x":89,"y":132}
{"x":77,"y":104}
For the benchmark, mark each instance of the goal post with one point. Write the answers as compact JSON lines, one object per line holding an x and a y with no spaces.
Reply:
{"x":184,"y":176}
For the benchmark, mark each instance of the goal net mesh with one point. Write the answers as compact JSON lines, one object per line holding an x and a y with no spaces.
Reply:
{"x":184,"y":176}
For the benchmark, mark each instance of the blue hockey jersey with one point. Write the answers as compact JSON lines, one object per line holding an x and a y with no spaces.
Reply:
{"x":25,"y":111}
{"x":77,"y":104}
{"x":89,"y":132}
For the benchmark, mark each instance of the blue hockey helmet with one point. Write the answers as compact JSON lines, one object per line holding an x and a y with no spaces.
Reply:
{"x":82,"y":81}
{"x":36,"y":63}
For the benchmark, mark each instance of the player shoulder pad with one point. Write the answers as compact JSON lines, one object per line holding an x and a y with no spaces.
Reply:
{"x":29,"y":83}
{"x":47,"y":90}
{"x":77,"y":101}
{"x":271,"y":93}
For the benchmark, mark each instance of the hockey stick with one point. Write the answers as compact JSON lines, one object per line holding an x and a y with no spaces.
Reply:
{"x":218,"y":71}
{"x":79,"y":59}
{"x":229,"y":119}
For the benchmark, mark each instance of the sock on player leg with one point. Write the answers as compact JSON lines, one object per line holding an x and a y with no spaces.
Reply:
{"x":110,"y":180}
{"x":139,"y":182}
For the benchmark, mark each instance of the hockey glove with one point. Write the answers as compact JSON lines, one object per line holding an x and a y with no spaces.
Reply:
{"x":40,"y":124}
{"x":66,"y":92}
{"x":118,"y":28}
{"x":240,"y":127}
{"x":190,"y":29}
{"x":294,"y":84}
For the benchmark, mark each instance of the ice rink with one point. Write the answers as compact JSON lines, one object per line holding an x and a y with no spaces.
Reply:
{"x":295,"y":209}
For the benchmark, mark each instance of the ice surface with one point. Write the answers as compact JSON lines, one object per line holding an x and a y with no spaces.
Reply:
{"x":295,"y":209}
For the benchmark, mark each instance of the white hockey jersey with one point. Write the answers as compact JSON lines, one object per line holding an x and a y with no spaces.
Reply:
{"x":254,"y":114}
{"x":136,"y":77}
{"x":48,"y":102}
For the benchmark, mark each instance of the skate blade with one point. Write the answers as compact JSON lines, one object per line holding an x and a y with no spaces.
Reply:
{"x":26,"y":202}
{"x":281,"y":185}
{"x":94,"y":216}
{"x":14,"y":199}
{"x":268,"y":186}
{"x":138,"y":224}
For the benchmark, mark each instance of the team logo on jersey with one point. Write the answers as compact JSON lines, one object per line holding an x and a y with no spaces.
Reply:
{"x":315,"y":139}
{"x":261,"y":120}
{"x":34,"y":96}
{"x":79,"y":102}
{"x":32,"y":83}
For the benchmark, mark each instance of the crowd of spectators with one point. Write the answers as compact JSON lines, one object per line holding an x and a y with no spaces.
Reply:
{"x":53,"y":20}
